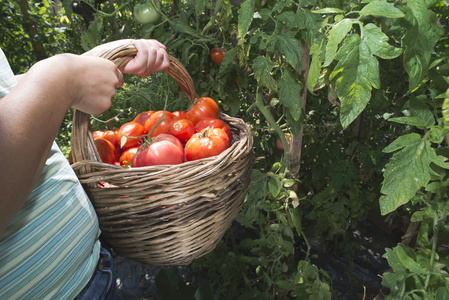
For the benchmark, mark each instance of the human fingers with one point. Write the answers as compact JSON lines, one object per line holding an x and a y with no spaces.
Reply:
{"x":151,"y":57}
{"x":96,"y":80}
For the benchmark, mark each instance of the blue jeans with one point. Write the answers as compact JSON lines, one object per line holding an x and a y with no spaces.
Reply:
{"x":102,"y":284}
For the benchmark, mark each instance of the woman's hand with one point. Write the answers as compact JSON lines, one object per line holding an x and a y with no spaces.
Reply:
{"x":151,"y":56}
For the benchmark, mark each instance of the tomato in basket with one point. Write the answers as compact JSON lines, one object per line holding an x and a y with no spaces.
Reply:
{"x":207,"y":143}
{"x":106,"y":151}
{"x":133,"y":132}
{"x":213,"y":123}
{"x":162,"y":127}
{"x":164,"y":149}
{"x":182,"y":129}
{"x":204,"y":107}
{"x":179,"y":113}
{"x":142,"y":117}
{"x":127,"y":156}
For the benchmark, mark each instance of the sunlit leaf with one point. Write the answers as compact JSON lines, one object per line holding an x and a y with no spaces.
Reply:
{"x":408,"y":170}
{"x":381,"y":8}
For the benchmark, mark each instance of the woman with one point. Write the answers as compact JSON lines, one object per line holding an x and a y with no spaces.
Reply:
{"x":49,"y":234}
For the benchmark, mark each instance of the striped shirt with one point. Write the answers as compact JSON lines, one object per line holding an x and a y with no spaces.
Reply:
{"x":51,"y":248}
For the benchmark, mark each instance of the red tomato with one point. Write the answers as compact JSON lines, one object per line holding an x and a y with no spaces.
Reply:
{"x":182,"y":129}
{"x":106,"y":151}
{"x":162,"y":127}
{"x":127,"y":156}
{"x":203,"y":108}
{"x":216,"y":54}
{"x":213,"y":123}
{"x":164,"y":149}
{"x":180,"y":114}
{"x":134,"y":131}
{"x":98,"y":134}
{"x":142,"y":117}
{"x":110,"y":135}
{"x":209,"y":142}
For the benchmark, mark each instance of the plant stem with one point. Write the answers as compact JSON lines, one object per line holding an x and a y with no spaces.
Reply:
{"x":434,"y":248}
{"x":269,"y":117}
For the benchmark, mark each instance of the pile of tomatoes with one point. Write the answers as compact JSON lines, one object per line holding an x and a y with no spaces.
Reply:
{"x":166,"y":138}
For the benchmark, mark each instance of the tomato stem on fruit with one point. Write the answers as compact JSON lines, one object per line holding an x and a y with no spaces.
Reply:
{"x":148,"y":138}
{"x":269,"y":117}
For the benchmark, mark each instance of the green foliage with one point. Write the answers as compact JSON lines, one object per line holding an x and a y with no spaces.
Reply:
{"x":362,"y":84}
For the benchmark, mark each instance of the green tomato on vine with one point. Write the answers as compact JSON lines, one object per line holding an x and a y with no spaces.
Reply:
{"x":145,"y":13}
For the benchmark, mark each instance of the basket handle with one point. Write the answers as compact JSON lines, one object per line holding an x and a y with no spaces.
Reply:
{"x":122,"y":54}
{"x":82,"y":137}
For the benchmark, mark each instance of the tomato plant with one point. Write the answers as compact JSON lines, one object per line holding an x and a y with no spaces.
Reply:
{"x":162,"y":127}
{"x":142,"y":117}
{"x":204,"y":107}
{"x":216,"y":54}
{"x":164,"y":149}
{"x":133,"y":132}
{"x":182,"y":129}
{"x":209,"y":142}
{"x":145,"y":13}
{"x":106,"y":150}
{"x":213,"y":123}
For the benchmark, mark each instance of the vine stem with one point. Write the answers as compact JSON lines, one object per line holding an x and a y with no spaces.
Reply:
{"x":270,"y":119}
{"x":434,"y":248}
{"x":108,"y":14}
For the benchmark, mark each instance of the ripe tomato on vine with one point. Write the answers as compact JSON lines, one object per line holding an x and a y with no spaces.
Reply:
{"x":217,"y":54}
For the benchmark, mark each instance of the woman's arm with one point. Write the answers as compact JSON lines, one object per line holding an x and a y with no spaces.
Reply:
{"x":31,"y":114}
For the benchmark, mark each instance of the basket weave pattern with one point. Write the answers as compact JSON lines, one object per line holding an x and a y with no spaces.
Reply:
{"x":164,"y":215}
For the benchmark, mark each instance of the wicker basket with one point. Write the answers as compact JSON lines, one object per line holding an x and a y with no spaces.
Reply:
{"x":164,"y":215}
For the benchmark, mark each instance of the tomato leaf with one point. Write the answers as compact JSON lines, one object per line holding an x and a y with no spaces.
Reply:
{"x":274,"y":185}
{"x":378,"y":42}
{"x":403,"y":258}
{"x":408,"y":170}
{"x":328,"y":10}
{"x":246,"y":15}
{"x":315,"y":67}
{"x":419,"y":40}
{"x":355,"y":74}
{"x":381,"y":8}
{"x":262,"y":72}
{"x":200,"y":6}
{"x":296,"y":220}
{"x":336,"y":35}
{"x":123,"y":141}
{"x":446,"y":113}
{"x":412,"y":121}
{"x":420,"y":110}
{"x":292,"y":49}
{"x":290,"y":93}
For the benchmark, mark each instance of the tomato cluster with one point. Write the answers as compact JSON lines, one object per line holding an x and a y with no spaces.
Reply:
{"x":166,"y":138}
